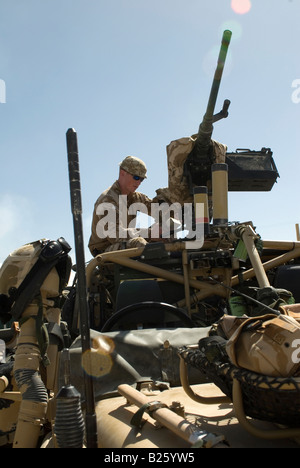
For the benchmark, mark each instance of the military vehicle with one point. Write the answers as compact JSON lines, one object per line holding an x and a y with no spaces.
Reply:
{"x":177,"y":345}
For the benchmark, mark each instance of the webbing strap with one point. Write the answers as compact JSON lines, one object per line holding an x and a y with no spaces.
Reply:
{"x":30,"y":287}
{"x":50,"y":256}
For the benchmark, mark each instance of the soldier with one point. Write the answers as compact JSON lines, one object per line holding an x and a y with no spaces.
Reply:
{"x":112,"y":218}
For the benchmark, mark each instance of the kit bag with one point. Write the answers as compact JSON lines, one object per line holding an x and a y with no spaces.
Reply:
{"x":268,"y":345}
{"x":292,"y":310}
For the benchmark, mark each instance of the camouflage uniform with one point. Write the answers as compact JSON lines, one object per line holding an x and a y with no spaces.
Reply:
{"x":130,"y":237}
{"x":177,"y":152}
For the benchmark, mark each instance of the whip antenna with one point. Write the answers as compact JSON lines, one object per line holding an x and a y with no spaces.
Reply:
{"x":75,"y":193}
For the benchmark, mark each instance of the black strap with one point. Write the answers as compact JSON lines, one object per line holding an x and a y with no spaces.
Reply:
{"x":30,"y":286}
{"x":148,"y":408}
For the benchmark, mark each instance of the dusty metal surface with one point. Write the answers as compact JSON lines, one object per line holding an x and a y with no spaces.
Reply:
{"x":115,"y":431}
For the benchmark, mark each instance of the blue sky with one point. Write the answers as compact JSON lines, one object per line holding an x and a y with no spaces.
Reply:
{"x":130,"y":76}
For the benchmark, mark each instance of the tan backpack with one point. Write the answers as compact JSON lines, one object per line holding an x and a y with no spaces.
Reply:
{"x":267,"y":344}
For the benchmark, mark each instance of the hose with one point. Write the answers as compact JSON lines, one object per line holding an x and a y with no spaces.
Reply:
{"x":31,"y":382}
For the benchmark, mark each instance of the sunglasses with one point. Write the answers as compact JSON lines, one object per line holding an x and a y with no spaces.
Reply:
{"x":136,"y":177}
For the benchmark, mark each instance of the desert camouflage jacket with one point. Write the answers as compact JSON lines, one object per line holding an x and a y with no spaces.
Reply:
{"x":120,"y":226}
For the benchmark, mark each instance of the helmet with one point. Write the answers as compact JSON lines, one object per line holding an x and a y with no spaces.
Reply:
{"x":134,"y":166}
{"x":30,"y":270}
{"x":17,"y":265}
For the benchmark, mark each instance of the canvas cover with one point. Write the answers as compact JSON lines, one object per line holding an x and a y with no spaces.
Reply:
{"x":265,"y":344}
{"x":177,"y":152}
{"x":134,"y":356}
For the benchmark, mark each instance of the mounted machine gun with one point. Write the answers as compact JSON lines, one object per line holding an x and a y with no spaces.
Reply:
{"x":247,"y":170}
{"x":197,"y":167}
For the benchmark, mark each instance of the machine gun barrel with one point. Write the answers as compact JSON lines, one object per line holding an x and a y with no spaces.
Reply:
{"x":206,"y":126}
